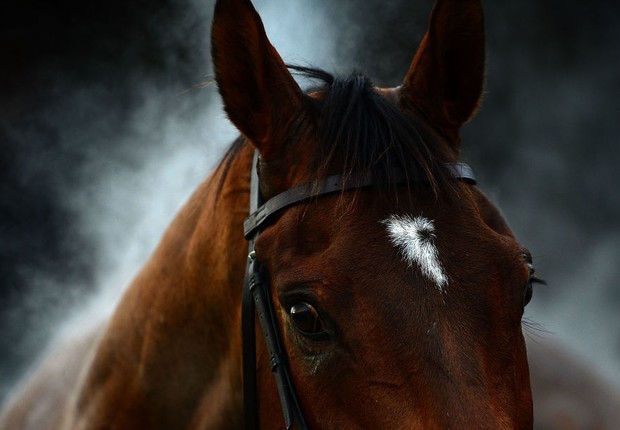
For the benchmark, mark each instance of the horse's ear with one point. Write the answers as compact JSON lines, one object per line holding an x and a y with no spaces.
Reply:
{"x":260,"y":95}
{"x":446,"y":77}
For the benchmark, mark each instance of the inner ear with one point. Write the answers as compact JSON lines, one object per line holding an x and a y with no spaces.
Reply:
{"x":445,"y":79}
{"x":260,"y":95}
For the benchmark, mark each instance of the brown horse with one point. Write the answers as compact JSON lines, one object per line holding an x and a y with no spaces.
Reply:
{"x":397,"y":299}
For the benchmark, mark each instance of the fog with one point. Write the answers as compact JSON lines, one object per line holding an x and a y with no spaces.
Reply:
{"x":109,"y":120}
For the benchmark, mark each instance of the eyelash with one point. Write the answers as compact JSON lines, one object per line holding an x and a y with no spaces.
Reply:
{"x":534,"y":279}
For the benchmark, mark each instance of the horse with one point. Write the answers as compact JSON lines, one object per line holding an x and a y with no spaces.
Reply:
{"x":379,"y":285}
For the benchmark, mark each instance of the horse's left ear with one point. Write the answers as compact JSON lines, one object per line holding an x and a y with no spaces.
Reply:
{"x":446,"y":77}
{"x":260,"y":95}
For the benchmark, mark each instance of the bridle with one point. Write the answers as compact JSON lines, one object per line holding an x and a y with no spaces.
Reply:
{"x":257,"y":301}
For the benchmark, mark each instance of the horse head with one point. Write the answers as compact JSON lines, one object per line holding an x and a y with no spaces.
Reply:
{"x":399,"y":304}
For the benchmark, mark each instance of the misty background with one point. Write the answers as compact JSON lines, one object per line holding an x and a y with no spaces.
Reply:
{"x":109,"y":120}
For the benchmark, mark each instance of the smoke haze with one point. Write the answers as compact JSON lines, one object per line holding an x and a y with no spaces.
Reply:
{"x":106,"y":128}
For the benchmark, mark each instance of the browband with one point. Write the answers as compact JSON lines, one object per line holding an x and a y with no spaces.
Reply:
{"x":332,"y":184}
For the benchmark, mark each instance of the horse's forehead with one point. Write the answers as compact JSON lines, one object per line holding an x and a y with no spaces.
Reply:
{"x":423,"y":234}
{"x":416,"y":231}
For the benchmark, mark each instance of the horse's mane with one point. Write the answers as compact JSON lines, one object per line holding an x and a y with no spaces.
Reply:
{"x":365,"y":134}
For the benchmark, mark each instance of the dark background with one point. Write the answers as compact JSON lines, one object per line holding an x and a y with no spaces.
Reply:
{"x":108,"y":122}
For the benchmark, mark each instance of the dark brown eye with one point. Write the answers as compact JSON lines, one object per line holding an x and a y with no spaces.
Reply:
{"x":307,"y":320}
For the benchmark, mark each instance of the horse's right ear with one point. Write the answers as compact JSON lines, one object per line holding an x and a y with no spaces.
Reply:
{"x":446,"y":77}
{"x":260,"y":95}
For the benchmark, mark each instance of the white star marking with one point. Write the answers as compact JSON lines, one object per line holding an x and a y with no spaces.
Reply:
{"x":415,"y":238}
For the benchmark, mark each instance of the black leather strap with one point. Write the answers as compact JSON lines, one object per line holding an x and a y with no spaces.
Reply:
{"x":257,"y":219}
{"x":250,"y":400}
{"x":259,"y":287}
{"x":461,"y":171}
{"x":256,"y":301}
{"x":250,"y":403}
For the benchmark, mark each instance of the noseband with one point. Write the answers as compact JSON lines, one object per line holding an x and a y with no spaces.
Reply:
{"x":256,"y":292}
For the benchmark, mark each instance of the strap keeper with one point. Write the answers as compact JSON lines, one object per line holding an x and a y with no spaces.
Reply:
{"x":275,"y":361}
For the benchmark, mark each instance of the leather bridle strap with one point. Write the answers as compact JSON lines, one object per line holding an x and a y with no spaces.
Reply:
{"x":333,"y":184}
{"x":248,"y":338}
{"x":256,"y":299}
{"x":258,"y":285}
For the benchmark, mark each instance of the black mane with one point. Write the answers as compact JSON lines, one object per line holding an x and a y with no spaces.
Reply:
{"x":360,"y":133}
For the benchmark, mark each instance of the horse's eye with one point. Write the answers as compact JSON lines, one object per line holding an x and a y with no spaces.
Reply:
{"x":307,"y":320}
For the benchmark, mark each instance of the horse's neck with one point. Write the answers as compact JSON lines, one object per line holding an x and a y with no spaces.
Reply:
{"x":174,"y":342}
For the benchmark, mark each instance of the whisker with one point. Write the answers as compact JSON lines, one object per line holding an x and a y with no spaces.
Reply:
{"x":533,"y":330}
